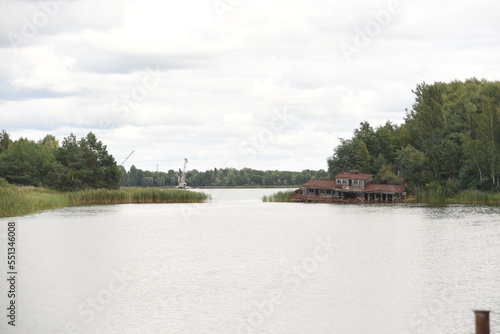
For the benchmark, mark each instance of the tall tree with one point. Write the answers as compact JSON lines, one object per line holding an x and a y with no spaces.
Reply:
{"x":23,"y":163}
{"x":4,"y":141}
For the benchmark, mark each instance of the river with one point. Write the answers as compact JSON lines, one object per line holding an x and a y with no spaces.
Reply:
{"x":237,"y":265}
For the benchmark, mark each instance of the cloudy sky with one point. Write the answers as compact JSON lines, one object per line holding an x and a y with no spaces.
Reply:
{"x":243,"y":83}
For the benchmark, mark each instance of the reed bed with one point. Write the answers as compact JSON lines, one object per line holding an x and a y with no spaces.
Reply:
{"x":280,"y":196}
{"x":476,"y":197}
{"x":439,"y":197}
{"x":433,"y":196}
{"x":472,"y":196}
{"x":135,"y":195}
{"x":98,"y":196}
{"x":18,"y":201}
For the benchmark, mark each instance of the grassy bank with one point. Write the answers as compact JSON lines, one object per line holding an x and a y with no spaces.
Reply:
{"x":280,"y":196}
{"x":469,"y":196}
{"x":18,"y":201}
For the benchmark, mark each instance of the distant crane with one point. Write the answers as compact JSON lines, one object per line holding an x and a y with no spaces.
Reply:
{"x":126,"y":158}
{"x":182,"y":177}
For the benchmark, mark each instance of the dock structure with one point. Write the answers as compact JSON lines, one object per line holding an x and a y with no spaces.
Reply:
{"x":351,"y":186}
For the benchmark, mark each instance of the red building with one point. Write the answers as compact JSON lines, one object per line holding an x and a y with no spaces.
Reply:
{"x":351,"y":186}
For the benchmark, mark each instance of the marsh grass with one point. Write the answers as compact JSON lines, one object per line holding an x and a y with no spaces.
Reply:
{"x":18,"y":201}
{"x":135,"y":195}
{"x":434,"y":197}
{"x":439,"y":197}
{"x":280,"y":196}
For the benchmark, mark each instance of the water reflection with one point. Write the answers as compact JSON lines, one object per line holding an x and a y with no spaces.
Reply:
{"x":222,"y":266}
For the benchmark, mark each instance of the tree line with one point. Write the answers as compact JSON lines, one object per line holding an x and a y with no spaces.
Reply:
{"x":450,"y":139}
{"x":85,"y":164}
{"x":223,"y":177}
{"x":72,"y":165}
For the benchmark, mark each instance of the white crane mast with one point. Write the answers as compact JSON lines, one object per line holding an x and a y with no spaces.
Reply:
{"x":182,"y":179}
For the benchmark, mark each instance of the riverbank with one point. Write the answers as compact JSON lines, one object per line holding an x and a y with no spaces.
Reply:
{"x":18,"y":201}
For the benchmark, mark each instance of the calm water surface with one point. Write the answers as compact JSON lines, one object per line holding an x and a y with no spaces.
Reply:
{"x":237,"y":265}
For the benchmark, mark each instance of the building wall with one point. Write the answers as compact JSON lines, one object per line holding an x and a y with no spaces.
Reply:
{"x":354,"y":184}
{"x":318,"y":192}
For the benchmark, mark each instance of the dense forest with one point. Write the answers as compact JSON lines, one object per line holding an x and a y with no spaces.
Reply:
{"x":219,"y":177}
{"x":86,"y":164}
{"x":73,"y":165}
{"x":449,"y":140}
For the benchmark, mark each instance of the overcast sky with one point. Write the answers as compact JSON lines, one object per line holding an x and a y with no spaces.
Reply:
{"x":242,"y":83}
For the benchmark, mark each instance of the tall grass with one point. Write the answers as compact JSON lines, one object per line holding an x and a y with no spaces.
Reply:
{"x":280,"y":196}
{"x":472,"y":196}
{"x":435,"y":196}
{"x":135,"y":195}
{"x":17,"y":201}
{"x":439,"y":196}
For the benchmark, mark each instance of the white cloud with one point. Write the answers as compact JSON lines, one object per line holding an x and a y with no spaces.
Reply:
{"x":218,"y":81}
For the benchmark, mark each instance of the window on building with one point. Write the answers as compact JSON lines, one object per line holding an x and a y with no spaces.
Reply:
{"x":355,"y":182}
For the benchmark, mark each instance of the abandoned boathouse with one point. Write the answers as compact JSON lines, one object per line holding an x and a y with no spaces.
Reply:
{"x":351,"y":186}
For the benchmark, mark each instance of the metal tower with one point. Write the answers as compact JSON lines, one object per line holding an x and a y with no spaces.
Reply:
{"x":182,"y":178}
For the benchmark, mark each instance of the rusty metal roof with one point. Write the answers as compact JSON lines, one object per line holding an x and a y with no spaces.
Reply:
{"x":385,"y":188}
{"x":353,"y":175}
{"x":325,"y":184}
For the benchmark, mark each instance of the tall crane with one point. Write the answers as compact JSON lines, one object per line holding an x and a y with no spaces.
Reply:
{"x":126,"y":158}
{"x":182,"y":178}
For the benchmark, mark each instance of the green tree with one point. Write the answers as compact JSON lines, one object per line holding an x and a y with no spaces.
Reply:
{"x":363,"y":156}
{"x":344,"y":158}
{"x":4,"y":141}
{"x":86,"y":164}
{"x":427,"y":122}
{"x":412,"y":164}
{"x":101,"y":170}
{"x":23,"y":163}
{"x":387,"y":175}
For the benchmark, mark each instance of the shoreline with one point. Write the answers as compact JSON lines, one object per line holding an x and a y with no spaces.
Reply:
{"x":19,"y":201}
{"x":16,"y":201}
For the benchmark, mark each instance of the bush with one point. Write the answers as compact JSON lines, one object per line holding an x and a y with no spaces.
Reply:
{"x":280,"y":196}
